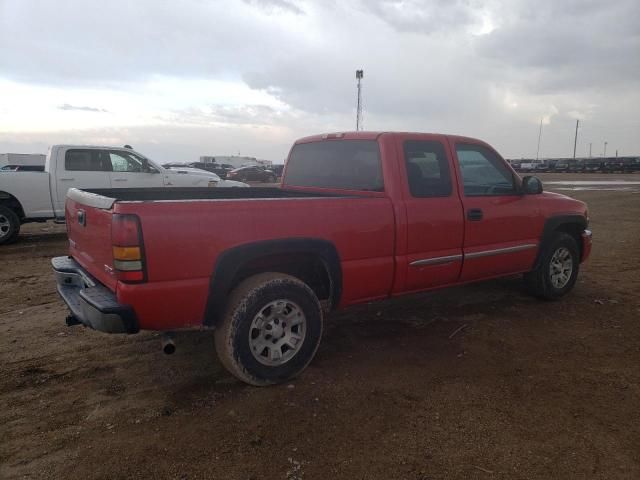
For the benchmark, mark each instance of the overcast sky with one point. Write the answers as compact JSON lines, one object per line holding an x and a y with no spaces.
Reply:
{"x":187,"y":78}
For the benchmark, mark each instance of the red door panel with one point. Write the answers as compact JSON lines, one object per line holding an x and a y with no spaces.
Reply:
{"x":435,"y":226}
{"x":502,"y":226}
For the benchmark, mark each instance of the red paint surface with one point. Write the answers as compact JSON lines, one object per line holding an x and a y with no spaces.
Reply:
{"x":377,"y":236}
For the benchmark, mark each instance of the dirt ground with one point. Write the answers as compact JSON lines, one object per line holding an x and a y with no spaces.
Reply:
{"x":525,"y":390}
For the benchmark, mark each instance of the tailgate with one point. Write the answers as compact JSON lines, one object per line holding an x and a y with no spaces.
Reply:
{"x":89,"y":228}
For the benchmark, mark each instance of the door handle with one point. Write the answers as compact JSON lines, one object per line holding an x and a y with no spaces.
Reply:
{"x":474,"y":214}
{"x":67,"y":179}
{"x":119,"y":179}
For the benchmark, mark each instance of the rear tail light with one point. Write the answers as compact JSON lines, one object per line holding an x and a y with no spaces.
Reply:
{"x":128,"y":248}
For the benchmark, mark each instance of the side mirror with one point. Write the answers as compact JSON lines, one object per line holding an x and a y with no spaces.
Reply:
{"x":531,"y":185}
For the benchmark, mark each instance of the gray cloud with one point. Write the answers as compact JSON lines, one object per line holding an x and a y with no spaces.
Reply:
{"x":273,"y":6}
{"x":567,"y":46}
{"x":228,"y":114}
{"x":119,"y":42}
{"x":66,"y":106}
{"x":425,"y":17}
{"x":427,"y":64}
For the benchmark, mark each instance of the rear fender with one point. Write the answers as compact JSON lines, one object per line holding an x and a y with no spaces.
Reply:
{"x":12,"y":202}
{"x":230,"y":264}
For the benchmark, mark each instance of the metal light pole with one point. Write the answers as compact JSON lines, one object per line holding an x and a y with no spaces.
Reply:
{"x":539,"y":137}
{"x":590,"y":149}
{"x":575,"y":140}
{"x":359,"y":76}
{"x":604,"y":153}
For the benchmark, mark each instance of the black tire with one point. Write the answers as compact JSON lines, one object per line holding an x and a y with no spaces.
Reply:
{"x":539,"y":282}
{"x":9,"y":225}
{"x":248,"y":299}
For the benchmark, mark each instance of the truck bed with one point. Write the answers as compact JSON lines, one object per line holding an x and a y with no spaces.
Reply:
{"x":185,"y":231}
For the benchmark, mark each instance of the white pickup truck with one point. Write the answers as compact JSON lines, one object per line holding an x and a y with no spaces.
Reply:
{"x":40,"y":196}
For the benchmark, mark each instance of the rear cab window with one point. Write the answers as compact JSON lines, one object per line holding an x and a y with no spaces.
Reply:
{"x":336,"y":164}
{"x":427,"y":169}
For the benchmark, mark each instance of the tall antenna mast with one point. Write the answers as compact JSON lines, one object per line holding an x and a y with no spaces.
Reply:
{"x":359,"y":75}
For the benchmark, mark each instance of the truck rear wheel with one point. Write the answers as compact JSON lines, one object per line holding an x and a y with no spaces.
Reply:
{"x":271,"y":329}
{"x":9,"y":225}
{"x":557,"y":271}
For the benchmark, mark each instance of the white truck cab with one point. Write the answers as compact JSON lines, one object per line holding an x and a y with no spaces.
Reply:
{"x":39,"y":196}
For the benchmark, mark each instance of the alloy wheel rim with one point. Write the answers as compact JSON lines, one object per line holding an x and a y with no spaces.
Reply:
{"x":5,"y":226}
{"x":561,"y":267}
{"x":277,"y":332}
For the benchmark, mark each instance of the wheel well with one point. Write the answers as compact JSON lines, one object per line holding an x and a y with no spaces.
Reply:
{"x":312,"y":260}
{"x":308,"y":267}
{"x":11,"y":202}
{"x":575,"y":230}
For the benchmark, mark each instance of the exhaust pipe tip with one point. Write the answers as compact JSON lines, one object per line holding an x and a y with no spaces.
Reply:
{"x":168,"y":346}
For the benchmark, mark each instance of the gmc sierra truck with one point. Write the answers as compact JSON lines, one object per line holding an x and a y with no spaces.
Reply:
{"x":358,"y":217}
{"x":37,"y":196}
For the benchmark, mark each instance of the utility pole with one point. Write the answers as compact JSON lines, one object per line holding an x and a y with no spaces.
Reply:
{"x":539,"y":137}
{"x":604,"y":152}
{"x":590,"y":149}
{"x":575,"y":140}
{"x":359,"y":76}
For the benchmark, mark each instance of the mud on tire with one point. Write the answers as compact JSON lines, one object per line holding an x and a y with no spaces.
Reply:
{"x":271,"y":329}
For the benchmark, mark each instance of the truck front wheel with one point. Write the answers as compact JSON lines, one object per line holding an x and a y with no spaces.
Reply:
{"x":271,"y":329}
{"x":9,"y":225}
{"x":557,"y":270}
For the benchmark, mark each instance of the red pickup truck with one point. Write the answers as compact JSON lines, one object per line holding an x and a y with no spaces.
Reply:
{"x":358,"y":217}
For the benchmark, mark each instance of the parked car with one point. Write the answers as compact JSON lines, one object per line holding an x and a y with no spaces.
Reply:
{"x":621,"y":165}
{"x":592,"y":165}
{"x":32,"y":197}
{"x":528,"y":165}
{"x":216,"y":168}
{"x":560,"y":166}
{"x":252,"y":174}
{"x":541,"y":167}
{"x":515,"y":164}
{"x":22,"y":168}
{"x":360,"y":216}
{"x":278,"y":169}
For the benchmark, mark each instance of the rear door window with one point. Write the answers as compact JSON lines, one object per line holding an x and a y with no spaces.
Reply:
{"x":85,"y":160}
{"x":427,"y":169}
{"x":339,"y":164}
